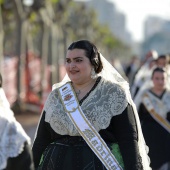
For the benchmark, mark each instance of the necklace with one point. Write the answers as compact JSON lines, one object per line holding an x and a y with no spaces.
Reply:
{"x":79,"y":91}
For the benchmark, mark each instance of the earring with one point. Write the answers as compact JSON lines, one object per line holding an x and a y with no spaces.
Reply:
{"x":93,"y":74}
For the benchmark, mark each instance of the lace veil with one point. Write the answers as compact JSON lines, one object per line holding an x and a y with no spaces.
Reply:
{"x":12,"y":135}
{"x":112,"y":75}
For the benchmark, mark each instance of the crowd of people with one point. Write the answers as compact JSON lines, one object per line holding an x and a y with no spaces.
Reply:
{"x":94,"y":118}
{"x":150,"y":90}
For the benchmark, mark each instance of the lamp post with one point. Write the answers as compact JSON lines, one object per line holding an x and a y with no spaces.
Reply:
{"x":28,"y":2}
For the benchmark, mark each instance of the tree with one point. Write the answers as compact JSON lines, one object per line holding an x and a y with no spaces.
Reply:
{"x":1,"y":38}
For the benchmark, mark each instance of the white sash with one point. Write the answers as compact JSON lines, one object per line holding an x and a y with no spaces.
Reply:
{"x":84,"y":127}
{"x":148,"y":104}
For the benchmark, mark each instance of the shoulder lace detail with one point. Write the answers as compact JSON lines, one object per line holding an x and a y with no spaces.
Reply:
{"x":96,"y":83}
{"x":99,"y":106}
{"x":12,"y":138}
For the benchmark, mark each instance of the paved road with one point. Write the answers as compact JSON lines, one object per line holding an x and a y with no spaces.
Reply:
{"x":29,"y":122}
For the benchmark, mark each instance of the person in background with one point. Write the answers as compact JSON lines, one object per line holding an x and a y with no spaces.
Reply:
{"x":144,"y":72}
{"x":89,"y":120}
{"x":163,"y":62}
{"x":154,"y":112}
{"x":132,"y":69}
{"x":15,"y":148}
{"x":149,"y":55}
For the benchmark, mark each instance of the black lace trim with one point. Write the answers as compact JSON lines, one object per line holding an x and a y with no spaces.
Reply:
{"x":94,"y":86}
{"x":160,"y":96}
{"x":139,"y":165}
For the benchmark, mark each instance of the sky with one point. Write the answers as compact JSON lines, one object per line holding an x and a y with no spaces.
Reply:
{"x":136,"y":12}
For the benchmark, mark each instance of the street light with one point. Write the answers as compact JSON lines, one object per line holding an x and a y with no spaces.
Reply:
{"x":28,"y":2}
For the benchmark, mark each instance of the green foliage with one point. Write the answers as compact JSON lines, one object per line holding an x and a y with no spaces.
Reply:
{"x":1,"y":2}
{"x":73,"y":19}
{"x":54,"y":1}
{"x":33,"y":16}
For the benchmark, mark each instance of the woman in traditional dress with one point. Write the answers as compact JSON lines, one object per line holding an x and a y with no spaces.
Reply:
{"x":153,"y":105}
{"x":89,"y":120}
{"x":142,"y":76}
{"x":15,"y":144}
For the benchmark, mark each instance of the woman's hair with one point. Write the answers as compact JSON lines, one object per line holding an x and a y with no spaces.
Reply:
{"x":163,"y":56}
{"x":91,"y":52}
{"x":158,"y":69}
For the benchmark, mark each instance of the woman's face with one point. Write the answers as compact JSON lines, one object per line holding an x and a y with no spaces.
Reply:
{"x":161,"y":62}
{"x":78,"y":66}
{"x":159,"y":80}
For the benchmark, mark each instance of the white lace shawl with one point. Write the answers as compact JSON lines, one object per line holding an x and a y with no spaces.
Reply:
{"x":161,"y":106}
{"x":104,"y":102}
{"x":12,"y":135}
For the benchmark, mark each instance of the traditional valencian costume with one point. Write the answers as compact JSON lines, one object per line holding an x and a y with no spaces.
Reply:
{"x":142,"y":77}
{"x":93,"y":133}
{"x":154,"y":113}
{"x":15,"y":150}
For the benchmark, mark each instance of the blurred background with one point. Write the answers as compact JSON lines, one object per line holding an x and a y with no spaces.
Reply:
{"x":35,"y":34}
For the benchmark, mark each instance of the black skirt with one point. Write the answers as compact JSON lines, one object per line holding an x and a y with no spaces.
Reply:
{"x":70,"y":155}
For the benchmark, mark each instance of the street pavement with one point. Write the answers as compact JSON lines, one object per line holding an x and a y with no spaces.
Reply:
{"x":29,"y":122}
